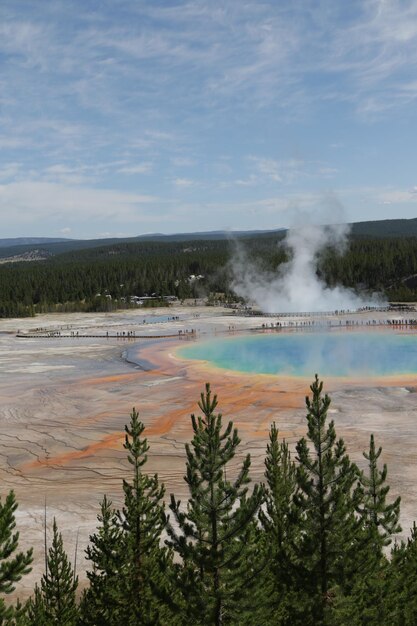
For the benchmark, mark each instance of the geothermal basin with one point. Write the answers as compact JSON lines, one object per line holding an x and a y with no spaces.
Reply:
{"x":338,"y":354}
{"x":68,"y":383}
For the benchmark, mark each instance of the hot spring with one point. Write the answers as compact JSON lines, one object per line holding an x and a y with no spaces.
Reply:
{"x":331,"y":354}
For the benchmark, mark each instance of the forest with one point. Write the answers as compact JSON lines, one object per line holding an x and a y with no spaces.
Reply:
{"x":105,"y":277}
{"x":314,"y":543}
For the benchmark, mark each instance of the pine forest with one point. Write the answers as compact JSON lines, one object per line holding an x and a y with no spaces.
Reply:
{"x":106,"y":277}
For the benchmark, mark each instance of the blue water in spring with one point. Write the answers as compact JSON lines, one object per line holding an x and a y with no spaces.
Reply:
{"x":328,"y":353}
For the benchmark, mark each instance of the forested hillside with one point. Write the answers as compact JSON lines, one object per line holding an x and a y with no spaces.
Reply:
{"x":386,"y":228}
{"x":83,"y":280}
{"x":314,"y":544}
{"x":105,"y":277}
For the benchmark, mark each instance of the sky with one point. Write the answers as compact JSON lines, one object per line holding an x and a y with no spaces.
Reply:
{"x":125,"y":117}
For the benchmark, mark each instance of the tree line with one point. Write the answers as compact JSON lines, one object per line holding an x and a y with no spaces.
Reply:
{"x":104,"y":278}
{"x":313,"y":544}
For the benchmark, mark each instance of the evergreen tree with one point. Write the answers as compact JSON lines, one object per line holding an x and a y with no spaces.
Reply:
{"x":326,"y":499}
{"x":142,"y":520}
{"x":281,"y":599}
{"x":365,"y":603}
{"x":215,"y":537}
{"x":54,"y":603}
{"x":100,"y":602}
{"x":380,"y":518}
{"x":129,"y":566}
{"x":37,"y":613}
{"x":401,"y":589}
{"x":12,"y":566}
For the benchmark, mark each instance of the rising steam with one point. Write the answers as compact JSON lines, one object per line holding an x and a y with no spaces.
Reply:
{"x":295,"y":286}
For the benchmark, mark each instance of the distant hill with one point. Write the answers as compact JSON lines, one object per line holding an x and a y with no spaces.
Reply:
{"x":31,"y":255}
{"x":57,"y":246}
{"x":29,"y":241}
{"x":211,"y":235}
{"x":386,"y":228}
{"x":378,"y":228}
{"x":69,"y":275}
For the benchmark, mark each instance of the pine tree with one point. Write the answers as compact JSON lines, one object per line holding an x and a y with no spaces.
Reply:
{"x":215,"y":537}
{"x":280,"y":522}
{"x":380,"y":518}
{"x":401,"y":589}
{"x":142,"y":520}
{"x":366,"y":601}
{"x":55,"y":602}
{"x":37,"y":613}
{"x":129,"y":565}
{"x":12,"y":566}
{"x":326,"y":499}
{"x":100,"y":603}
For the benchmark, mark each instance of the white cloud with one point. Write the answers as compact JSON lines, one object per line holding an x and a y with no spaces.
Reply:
{"x":140,"y":168}
{"x":7,"y":143}
{"x":328,"y":172}
{"x":182,"y":162}
{"x":28,"y":202}
{"x":23,"y":39}
{"x":272,"y":169}
{"x":61,"y":173}
{"x":279,"y":171}
{"x":286,"y":171}
{"x":160,"y":86}
{"x":9,"y":170}
{"x":183,"y":183}
{"x":246,"y":182}
{"x":397,"y":196}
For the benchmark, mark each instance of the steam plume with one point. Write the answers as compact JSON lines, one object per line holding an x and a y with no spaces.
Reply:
{"x":296,"y":286}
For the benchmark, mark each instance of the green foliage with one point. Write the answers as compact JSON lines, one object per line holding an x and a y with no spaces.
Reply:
{"x":37,"y":614}
{"x":129,"y":573}
{"x":326,"y":500}
{"x":101,"y":600}
{"x":12,"y":566}
{"x":401,"y":592}
{"x":71,"y":281}
{"x":305,"y":549}
{"x":279,"y":518}
{"x":54,"y":603}
{"x":142,"y":520}
{"x":381,"y":519}
{"x":366,"y":602}
{"x":215,"y":537}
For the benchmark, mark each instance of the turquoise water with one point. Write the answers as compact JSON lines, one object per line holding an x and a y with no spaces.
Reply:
{"x":328,"y":354}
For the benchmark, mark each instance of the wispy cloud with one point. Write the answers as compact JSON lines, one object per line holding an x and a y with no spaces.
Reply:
{"x":398,"y":196}
{"x":183,"y":183}
{"x":135,"y":100}
{"x":30,"y":202}
{"x":284,"y":171}
{"x":60,"y":173}
{"x":182,"y":161}
{"x":140,"y":168}
{"x":9,"y":171}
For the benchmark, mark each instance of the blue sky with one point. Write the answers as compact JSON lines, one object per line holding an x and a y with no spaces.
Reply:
{"x":123,"y":117}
